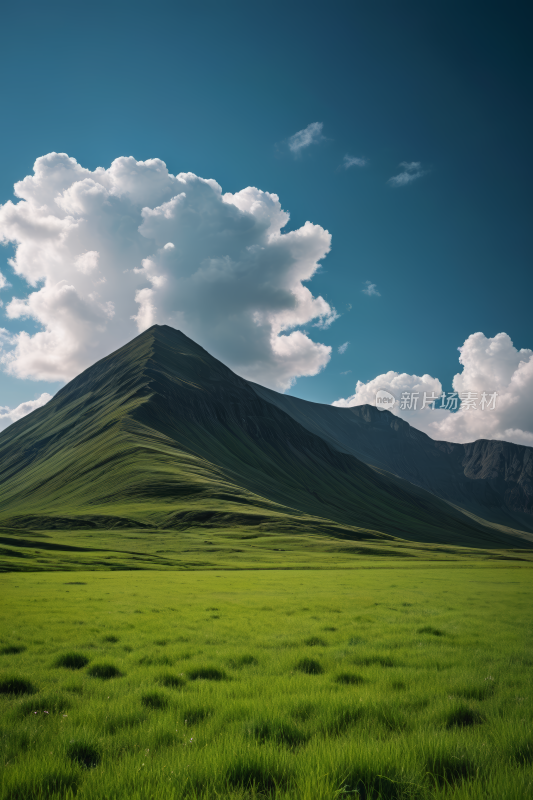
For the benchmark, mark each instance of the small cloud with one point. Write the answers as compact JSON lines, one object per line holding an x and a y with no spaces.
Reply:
{"x":352,"y":161}
{"x":343,"y":348}
{"x":348,"y":371}
{"x":411,"y":171}
{"x":306,"y":137}
{"x":349,"y":306}
{"x":371,"y":289}
{"x":9,"y":415}
{"x":326,"y":320}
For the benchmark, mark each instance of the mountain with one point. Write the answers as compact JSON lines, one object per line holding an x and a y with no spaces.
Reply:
{"x":160,"y":436}
{"x":490,"y":479}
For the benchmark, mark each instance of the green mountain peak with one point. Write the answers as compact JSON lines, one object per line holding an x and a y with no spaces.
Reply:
{"x":160,"y":435}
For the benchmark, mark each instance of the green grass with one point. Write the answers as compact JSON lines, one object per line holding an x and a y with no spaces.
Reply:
{"x":383,"y":684}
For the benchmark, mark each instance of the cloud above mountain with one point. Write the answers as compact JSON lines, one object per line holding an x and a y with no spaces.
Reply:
{"x":107,"y":253}
{"x":491,"y":366}
{"x":9,"y":415}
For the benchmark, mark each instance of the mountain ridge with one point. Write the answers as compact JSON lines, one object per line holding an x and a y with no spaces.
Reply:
{"x":161,"y":436}
{"x":486,"y":477}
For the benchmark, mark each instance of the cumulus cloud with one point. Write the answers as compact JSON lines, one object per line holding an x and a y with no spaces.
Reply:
{"x":343,"y":348}
{"x":412,"y":170}
{"x":9,"y":415}
{"x":371,"y":289}
{"x":353,"y":161}
{"x":107,"y":253}
{"x":306,"y":137}
{"x":490,"y":365}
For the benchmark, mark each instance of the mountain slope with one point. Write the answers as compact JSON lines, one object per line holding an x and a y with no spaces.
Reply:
{"x":161,"y":435}
{"x":491,"y":479}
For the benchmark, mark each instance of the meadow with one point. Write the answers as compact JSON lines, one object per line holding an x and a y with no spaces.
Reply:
{"x":390,"y":681}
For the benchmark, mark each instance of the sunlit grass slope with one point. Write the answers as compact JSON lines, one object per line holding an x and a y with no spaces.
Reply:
{"x":318,"y":685}
{"x":162,"y":436}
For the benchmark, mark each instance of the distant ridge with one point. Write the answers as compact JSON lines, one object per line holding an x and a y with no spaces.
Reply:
{"x":489,"y":478}
{"x":160,"y":435}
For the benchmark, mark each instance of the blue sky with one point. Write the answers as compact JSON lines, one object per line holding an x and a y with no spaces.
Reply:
{"x":219,"y":89}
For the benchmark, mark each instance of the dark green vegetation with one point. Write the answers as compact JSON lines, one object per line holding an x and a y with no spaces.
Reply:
{"x":159,"y":456}
{"x":411,"y":684}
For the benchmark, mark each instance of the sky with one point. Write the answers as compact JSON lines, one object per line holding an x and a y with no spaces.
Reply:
{"x":331,"y":198}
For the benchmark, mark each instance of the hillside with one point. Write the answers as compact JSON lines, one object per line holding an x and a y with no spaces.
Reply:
{"x":160,"y":436}
{"x":491,"y":479}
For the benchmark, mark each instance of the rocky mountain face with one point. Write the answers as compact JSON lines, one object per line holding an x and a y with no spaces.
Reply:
{"x":492,"y":479}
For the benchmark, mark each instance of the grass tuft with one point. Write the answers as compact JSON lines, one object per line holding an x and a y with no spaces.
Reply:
{"x":195,"y":714}
{"x":207,"y":674}
{"x":12,"y":649}
{"x":463,"y":716}
{"x":243,"y":661}
{"x":111,"y":638}
{"x":253,"y":775}
{"x":154,"y":700}
{"x":309,"y":666}
{"x":476,"y":692}
{"x":71,"y":661}
{"x":315,"y":641}
{"x":156,"y":661}
{"x":104,"y":671}
{"x":16,"y":686}
{"x":522,"y":752}
{"x":279,"y":732}
{"x":449,"y":767}
{"x":171,"y":681}
{"x":349,"y":678}
{"x":84,"y":754}
{"x":431,"y":630}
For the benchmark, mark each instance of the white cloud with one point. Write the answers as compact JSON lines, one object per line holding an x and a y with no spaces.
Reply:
{"x":110,"y":252}
{"x":9,"y":415}
{"x":353,"y":161}
{"x":371,"y":289}
{"x":87,"y":262}
{"x":343,"y":348}
{"x":3,"y":284}
{"x":489,"y":365}
{"x":412,"y":170}
{"x":306,"y":137}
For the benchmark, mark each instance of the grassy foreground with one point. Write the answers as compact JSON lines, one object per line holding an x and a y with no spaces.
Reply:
{"x":301,"y":685}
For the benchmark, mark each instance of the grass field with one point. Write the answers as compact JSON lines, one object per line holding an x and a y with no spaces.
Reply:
{"x":385,"y":682}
